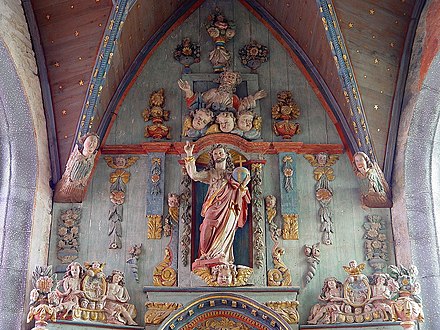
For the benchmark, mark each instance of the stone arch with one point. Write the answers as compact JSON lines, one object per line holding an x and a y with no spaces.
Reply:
{"x":19,"y":171}
{"x":223,"y":307}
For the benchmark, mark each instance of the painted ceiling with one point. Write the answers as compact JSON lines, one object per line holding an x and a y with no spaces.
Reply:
{"x":91,"y":50}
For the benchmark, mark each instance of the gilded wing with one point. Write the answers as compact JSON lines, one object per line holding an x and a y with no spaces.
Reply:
{"x":332,"y":159}
{"x":257,"y":123}
{"x":187,"y":124}
{"x":131,"y":161}
{"x":361,"y":267}
{"x":243,"y":275}
{"x":109,"y":161}
{"x":205,"y":274}
{"x":312,"y":159}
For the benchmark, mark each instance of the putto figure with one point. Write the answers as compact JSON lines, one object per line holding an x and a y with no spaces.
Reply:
{"x":225,"y":206}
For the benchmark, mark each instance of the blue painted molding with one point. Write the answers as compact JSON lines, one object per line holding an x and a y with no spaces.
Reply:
{"x":289,"y":199}
{"x":347,"y":77}
{"x":106,"y":50}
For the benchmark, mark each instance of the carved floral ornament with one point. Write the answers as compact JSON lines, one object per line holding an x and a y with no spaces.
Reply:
{"x":283,"y":113}
{"x":157,"y":114}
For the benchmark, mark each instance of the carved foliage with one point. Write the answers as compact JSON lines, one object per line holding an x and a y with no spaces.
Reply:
{"x":286,"y":309}
{"x":134,"y":252}
{"x":159,"y":311}
{"x":157,"y":114}
{"x":164,"y":274}
{"x":253,"y":55}
{"x":283,"y":112}
{"x":257,"y":204}
{"x":154,"y":226}
{"x":290,"y":226}
{"x":68,"y":235}
{"x":324,"y":174}
{"x":118,"y":185}
{"x":376,"y":248}
{"x":185,"y":199}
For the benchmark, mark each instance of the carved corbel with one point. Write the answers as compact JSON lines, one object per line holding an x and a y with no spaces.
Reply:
{"x":375,"y":192}
{"x":72,"y":186}
{"x":159,"y":311}
{"x":323,"y":175}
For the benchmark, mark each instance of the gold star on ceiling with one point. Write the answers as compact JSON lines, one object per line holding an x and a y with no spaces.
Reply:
{"x":376,"y":61}
{"x":372,"y":11}
{"x":391,"y":44}
{"x":376,"y":107}
{"x":64,"y":112}
{"x":48,"y":17}
{"x":80,"y":58}
{"x":76,"y":33}
{"x":81,"y":82}
{"x":56,"y":64}
{"x":65,"y":136}
{"x":350,"y":25}
{"x":72,"y":6}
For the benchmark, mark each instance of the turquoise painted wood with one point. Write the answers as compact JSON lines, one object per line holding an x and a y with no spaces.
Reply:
{"x":279,"y":73}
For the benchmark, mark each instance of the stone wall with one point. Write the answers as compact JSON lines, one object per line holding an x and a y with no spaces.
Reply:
{"x":26,"y":197}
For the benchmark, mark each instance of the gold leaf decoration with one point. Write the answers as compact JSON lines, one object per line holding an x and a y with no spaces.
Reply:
{"x":154,"y":226}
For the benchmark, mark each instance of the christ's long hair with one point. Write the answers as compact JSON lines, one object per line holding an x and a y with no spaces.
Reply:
{"x":229,"y":164}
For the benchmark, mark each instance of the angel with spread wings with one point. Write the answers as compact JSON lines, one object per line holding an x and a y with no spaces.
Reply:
{"x":322,"y":162}
{"x":224,"y":275}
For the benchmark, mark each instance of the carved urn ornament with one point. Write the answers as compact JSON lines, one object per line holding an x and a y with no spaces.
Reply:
{"x":284,"y":112}
{"x":253,"y":55}
{"x":157,"y":114}
{"x":187,"y":53}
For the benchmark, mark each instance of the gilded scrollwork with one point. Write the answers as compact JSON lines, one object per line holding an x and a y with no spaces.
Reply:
{"x":290,"y":226}
{"x":159,"y":311}
{"x":280,"y":275}
{"x":288,"y":310}
{"x":164,"y":274}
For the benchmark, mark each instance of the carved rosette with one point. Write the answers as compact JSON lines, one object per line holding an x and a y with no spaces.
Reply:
{"x":164,"y":274}
{"x":376,"y":247}
{"x":68,"y":235}
{"x":257,"y":204}
{"x":154,"y":226}
{"x":323,"y":175}
{"x":159,"y":311}
{"x":185,"y":200}
{"x":286,"y":309}
{"x":118,"y":185}
{"x":290,"y":227}
{"x":280,"y":275}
